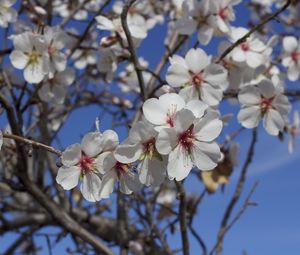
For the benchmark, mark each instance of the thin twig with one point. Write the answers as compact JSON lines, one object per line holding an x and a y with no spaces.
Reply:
{"x":32,"y":143}
{"x":182,"y":218}
{"x":131,"y":48}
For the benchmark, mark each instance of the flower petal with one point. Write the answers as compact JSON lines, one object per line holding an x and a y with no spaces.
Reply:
{"x":68,"y":177}
{"x":71,"y":155}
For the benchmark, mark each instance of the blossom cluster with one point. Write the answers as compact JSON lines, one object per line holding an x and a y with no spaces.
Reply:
{"x":181,"y":123}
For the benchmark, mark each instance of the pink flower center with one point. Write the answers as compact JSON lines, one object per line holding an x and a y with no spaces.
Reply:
{"x":245,"y":46}
{"x":149,"y":146}
{"x":171,"y":115}
{"x":265,"y":104}
{"x":186,"y":139}
{"x":51,"y":49}
{"x":86,"y":163}
{"x":223,"y":13}
{"x":197,"y":79}
{"x":120,"y":167}
{"x":295,"y":56}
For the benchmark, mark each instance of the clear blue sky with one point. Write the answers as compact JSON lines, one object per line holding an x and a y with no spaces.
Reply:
{"x":273,"y":227}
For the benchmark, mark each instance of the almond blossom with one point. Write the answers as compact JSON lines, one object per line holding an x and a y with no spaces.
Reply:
{"x":263,"y":101}
{"x":253,"y":51}
{"x":85,"y":161}
{"x":30,"y":54}
{"x":115,"y":171}
{"x":291,"y":57}
{"x":222,"y":14}
{"x":200,"y":78}
{"x":161,"y":112}
{"x":190,"y":143}
{"x":56,"y":40}
{"x":7,"y":14}
{"x":54,"y":89}
{"x":140,"y":146}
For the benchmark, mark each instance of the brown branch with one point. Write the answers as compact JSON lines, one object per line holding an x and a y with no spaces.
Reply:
{"x":235,"y":197}
{"x":131,"y":48}
{"x":32,"y":143}
{"x":182,"y":218}
{"x":253,"y":29}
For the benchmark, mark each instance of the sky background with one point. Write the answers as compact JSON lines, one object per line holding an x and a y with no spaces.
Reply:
{"x":272,"y":227}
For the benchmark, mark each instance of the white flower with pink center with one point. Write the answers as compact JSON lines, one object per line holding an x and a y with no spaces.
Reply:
{"x":140,"y":148}
{"x":263,"y":101}
{"x":200,"y":78}
{"x":56,"y":40}
{"x":115,"y":171}
{"x":190,"y":143}
{"x":253,"y":52}
{"x":85,"y":162}
{"x":30,"y":54}
{"x":222,"y":14}
{"x":291,"y":57}
{"x":161,"y":112}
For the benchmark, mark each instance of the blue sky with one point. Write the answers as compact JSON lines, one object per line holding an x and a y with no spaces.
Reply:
{"x":273,"y":227}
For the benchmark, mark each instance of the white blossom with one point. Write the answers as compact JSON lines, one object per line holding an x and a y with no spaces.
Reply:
{"x":291,"y":57}
{"x":263,"y":101}
{"x":140,"y":146}
{"x":161,"y":112}
{"x":56,"y":40}
{"x":190,"y":143}
{"x":115,"y":171}
{"x":1,"y":139}
{"x":253,"y":51}
{"x":85,"y":162}
{"x":201,"y":78}
{"x":30,"y":54}
{"x":7,"y":14}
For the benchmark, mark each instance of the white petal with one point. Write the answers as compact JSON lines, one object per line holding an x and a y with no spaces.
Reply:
{"x":90,"y":143}
{"x":266,"y":88}
{"x":179,"y":164}
{"x":128,"y":153}
{"x":273,"y":122}
{"x":177,"y":75}
{"x":18,"y":59}
{"x":197,"y":107}
{"x":34,"y":73}
{"x":71,"y":155}
{"x":109,"y":140}
{"x":152,"y":172}
{"x":68,"y":177}
{"x":205,"y":155}
{"x":250,"y":116}
{"x":108,"y":183}
{"x":104,"y":23}
{"x":166,"y":141}
{"x":153,"y":112}
{"x":183,"y":120}
{"x":205,"y":34}
{"x":282,"y":104}
{"x":197,"y":60}
{"x":90,"y":187}
{"x":208,"y":128}
{"x":238,"y":55}
{"x":290,"y":43}
{"x":249,"y":95}
{"x":210,"y":95}
{"x":293,"y":73}
{"x":254,"y":59}
{"x":215,"y":74}
{"x":132,"y":181}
